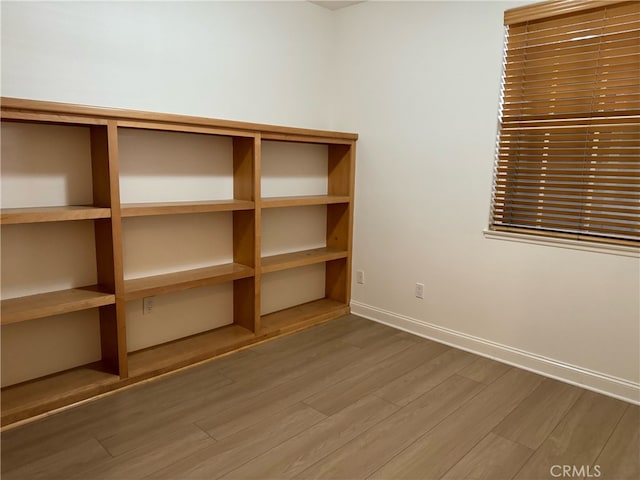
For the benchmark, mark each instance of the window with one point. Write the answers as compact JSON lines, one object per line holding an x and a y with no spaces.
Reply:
{"x":568,"y":152}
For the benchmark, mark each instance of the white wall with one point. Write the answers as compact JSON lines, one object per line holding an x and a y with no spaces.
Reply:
{"x":251,"y":61}
{"x":419,"y":81}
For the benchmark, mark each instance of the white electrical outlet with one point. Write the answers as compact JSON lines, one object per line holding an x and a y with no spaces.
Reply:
{"x":147,"y":305}
{"x":360,"y":277}
{"x":419,"y":290}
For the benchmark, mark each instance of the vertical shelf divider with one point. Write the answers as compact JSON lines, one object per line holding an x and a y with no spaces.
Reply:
{"x":108,"y":240}
{"x":246,"y":228}
{"x":341,"y":178}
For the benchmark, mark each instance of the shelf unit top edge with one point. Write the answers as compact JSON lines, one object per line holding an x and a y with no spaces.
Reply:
{"x":9,"y":104}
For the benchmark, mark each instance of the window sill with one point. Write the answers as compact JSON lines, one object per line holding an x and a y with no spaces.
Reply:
{"x":622,"y":250}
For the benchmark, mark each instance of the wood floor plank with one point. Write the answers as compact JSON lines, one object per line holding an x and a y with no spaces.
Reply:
{"x":283,"y":356}
{"x":494,"y":458}
{"x":579,"y":438}
{"x":336,"y":397}
{"x":153,"y":433}
{"x":366,"y":453}
{"x":226,"y":402}
{"x":246,"y":413}
{"x":188,"y":403}
{"x":416,"y":382}
{"x":296,"y":454}
{"x":40,"y":440}
{"x":432,"y":455}
{"x":324,"y":331}
{"x":366,"y":336}
{"x":156,"y":453}
{"x":55,"y":432}
{"x":620,"y":458}
{"x":147,"y":421}
{"x":60,"y":465}
{"x":402,"y":407}
{"x":216,"y":460}
{"x":118,"y":413}
{"x":291,"y":353}
{"x":484,"y":370}
{"x":536,"y":417}
{"x":105,"y":416}
{"x":222,"y":364}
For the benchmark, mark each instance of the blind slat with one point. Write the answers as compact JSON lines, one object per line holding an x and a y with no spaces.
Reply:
{"x":572,"y":236}
{"x":557,"y":190}
{"x":583,"y":158}
{"x":593,"y":224}
{"x":558,"y":12}
{"x":541,"y":149}
{"x":611,"y":47}
{"x":555,"y":205}
{"x":561,"y":123}
{"x":609,"y":175}
{"x":523,"y":196}
{"x":626,"y":57}
{"x":576,"y":30}
{"x":579,"y":165}
{"x":584,"y":185}
{"x":586,"y":57}
{"x":571,"y":216}
{"x":583,"y":76}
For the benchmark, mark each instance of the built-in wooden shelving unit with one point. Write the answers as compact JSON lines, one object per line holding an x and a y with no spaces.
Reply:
{"x":113,"y":288}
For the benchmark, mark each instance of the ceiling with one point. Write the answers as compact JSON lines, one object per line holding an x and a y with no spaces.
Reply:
{"x":335,"y":5}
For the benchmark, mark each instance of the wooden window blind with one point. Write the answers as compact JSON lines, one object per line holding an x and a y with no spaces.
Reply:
{"x":568,"y":150}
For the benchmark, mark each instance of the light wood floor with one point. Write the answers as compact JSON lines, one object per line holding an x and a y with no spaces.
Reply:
{"x":350,"y":399}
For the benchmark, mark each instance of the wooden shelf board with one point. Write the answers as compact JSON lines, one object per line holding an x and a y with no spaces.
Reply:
{"x":30,"y":307}
{"x":172,"y":208}
{"x":34,"y":397}
{"x":302,"y":316}
{"x":176,"y":281}
{"x":305,"y":200}
{"x":186,"y":351}
{"x":10,"y":216}
{"x":275,"y":263}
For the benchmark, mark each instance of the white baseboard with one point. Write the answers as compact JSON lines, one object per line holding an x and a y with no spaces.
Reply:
{"x":564,"y":372}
